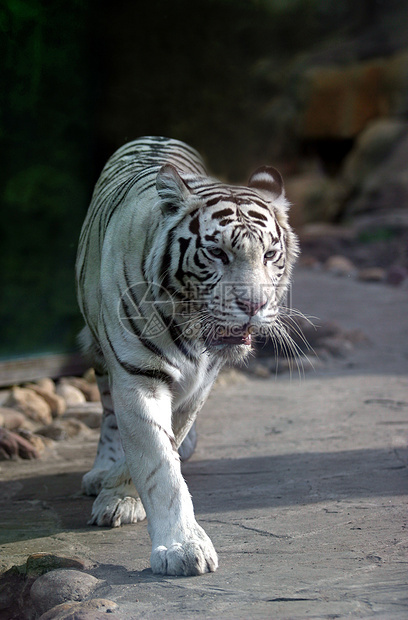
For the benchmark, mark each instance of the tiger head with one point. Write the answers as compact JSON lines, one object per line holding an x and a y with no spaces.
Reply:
{"x":227,"y":257}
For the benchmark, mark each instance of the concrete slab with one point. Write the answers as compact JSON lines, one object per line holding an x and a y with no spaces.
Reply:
{"x":301,"y":484}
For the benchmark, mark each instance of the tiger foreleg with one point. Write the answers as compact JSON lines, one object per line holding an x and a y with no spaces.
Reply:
{"x":179,"y":545}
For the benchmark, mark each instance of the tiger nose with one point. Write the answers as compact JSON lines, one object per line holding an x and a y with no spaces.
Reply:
{"x":249,"y":306}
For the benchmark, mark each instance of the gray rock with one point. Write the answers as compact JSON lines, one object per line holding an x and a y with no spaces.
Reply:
{"x":72,"y":395}
{"x":31,"y":404}
{"x":340,"y":265}
{"x":4,"y":396}
{"x":46,"y":384}
{"x":11,"y":419}
{"x":38,"y":443}
{"x":372,"y":274}
{"x":56,"y":402}
{"x":378,"y":185}
{"x":89,"y":390}
{"x":62,"y":585}
{"x":90,"y":376}
{"x":12,"y":446}
{"x":396,"y":275}
{"x":261,"y":371}
{"x":64,"y":429}
{"x":373,"y":147}
{"x":338,"y":347}
{"x":89,"y":413}
{"x":230,"y":376}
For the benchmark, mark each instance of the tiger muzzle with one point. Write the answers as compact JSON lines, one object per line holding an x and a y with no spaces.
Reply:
{"x":250,"y":307}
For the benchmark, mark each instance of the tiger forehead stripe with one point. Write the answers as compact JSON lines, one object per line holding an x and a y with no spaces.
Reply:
{"x":194,"y":225}
{"x":214,"y":201}
{"x":258,"y":216}
{"x":218,"y":215}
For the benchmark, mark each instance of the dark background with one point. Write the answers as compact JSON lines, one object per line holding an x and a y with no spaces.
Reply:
{"x":80,"y":78}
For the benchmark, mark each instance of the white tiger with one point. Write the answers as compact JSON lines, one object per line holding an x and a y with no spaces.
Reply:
{"x":175,"y":274}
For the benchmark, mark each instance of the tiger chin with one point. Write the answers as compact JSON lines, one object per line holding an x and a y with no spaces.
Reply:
{"x":177,"y":273}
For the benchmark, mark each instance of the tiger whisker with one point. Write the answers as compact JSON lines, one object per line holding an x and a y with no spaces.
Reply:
{"x":291,"y":349}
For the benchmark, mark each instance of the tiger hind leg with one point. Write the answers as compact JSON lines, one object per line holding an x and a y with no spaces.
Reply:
{"x":110,"y":449}
{"x":118,"y":502}
{"x":186,"y":449}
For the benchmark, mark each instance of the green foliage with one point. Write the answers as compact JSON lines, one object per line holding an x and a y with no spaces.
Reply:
{"x":377,"y":234}
{"x":44,"y":132}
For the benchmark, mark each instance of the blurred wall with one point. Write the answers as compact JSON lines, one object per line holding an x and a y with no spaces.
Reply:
{"x":240,"y":80}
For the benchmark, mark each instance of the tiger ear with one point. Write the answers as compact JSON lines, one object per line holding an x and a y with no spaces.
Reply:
{"x":268,"y":181}
{"x":172,"y":189}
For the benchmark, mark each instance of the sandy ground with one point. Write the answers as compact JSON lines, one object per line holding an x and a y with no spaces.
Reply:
{"x":300,"y":482}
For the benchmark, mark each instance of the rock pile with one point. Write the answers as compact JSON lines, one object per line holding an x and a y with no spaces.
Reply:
{"x":51,"y":587}
{"x":353,"y":171}
{"x":35,"y":415}
{"x":369,"y":255}
{"x":312,"y":344}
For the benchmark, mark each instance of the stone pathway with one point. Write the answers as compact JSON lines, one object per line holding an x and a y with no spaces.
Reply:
{"x":301,"y":484}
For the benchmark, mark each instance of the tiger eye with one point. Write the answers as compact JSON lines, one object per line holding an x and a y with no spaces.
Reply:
{"x":219,"y":253}
{"x":269,"y":256}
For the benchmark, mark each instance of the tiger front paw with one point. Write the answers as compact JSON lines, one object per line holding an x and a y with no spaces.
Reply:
{"x":194,"y":556}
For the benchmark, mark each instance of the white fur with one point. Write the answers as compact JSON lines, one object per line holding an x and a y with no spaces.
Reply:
{"x":154,"y":398}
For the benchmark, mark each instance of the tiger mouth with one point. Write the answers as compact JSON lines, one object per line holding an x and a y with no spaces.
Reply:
{"x":224,"y":337}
